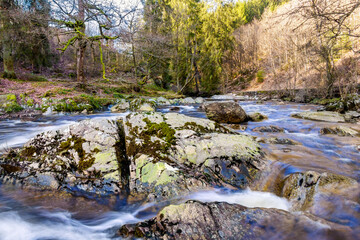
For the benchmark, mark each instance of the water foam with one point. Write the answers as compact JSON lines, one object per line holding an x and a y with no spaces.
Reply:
{"x":247,"y":198}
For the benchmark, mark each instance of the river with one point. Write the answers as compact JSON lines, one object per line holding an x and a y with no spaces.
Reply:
{"x":29,"y":215}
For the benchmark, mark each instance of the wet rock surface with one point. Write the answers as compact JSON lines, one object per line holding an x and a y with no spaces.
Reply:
{"x":225,"y":112}
{"x":148,"y":155}
{"x":327,"y":195}
{"x":218,"y":220}
{"x":269,"y":129}
{"x":340,"y":131}
{"x":324,"y":116}
{"x":257,"y":117}
{"x":83,"y":156}
{"x":171,"y":154}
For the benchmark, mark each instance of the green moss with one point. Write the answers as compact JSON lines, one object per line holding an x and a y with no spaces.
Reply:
{"x":158,"y":149}
{"x":201,"y":129}
{"x":86,"y":160}
{"x":13,"y":107}
{"x":161,"y":130}
{"x":28,"y":152}
{"x":30,"y":102}
{"x":11,"y":97}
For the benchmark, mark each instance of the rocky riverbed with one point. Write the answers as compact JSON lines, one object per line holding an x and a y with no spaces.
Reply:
{"x":178,"y":175}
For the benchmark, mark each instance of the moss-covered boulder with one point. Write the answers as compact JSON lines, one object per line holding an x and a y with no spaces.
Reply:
{"x":172,"y":153}
{"x":324,"y":116}
{"x":220,"y":220}
{"x":83,"y":156}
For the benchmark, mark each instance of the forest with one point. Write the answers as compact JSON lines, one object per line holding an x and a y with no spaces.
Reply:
{"x":179,"y":119}
{"x":192,"y":47}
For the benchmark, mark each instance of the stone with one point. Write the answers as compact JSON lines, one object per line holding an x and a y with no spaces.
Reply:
{"x":317,"y":193}
{"x":121,"y":107}
{"x":170,"y":154}
{"x":142,"y":105}
{"x":187,"y":100}
{"x":340,"y":131}
{"x":282,"y":141}
{"x":257,"y":117}
{"x":162,"y":101}
{"x":271,"y":129}
{"x":199,"y":100}
{"x":225,"y":112}
{"x":146,"y":107}
{"x":175,"y":109}
{"x":87,"y":150}
{"x":323,"y":116}
{"x":220,"y":220}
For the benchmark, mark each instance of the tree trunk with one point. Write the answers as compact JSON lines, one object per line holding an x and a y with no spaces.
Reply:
{"x":8,"y":59}
{"x":81,"y":45}
{"x":5,"y":36}
{"x":80,"y":62}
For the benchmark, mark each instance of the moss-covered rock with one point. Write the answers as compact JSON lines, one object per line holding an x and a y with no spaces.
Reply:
{"x":184,"y":153}
{"x":89,"y":150}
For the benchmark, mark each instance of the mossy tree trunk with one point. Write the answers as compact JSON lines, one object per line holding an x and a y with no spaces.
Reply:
{"x":6,"y":30}
{"x":81,"y":44}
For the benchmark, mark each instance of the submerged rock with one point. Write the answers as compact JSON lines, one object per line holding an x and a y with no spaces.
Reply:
{"x":324,"y":116}
{"x":219,"y":220}
{"x":225,"y":112}
{"x":173,"y":153}
{"x":275,"y":140}
{"x":271,"y":129}
{"x":257,"y":117}
{"x":340,"y":131}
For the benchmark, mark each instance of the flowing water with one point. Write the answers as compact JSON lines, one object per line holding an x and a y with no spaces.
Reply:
{"x":46,"y":215}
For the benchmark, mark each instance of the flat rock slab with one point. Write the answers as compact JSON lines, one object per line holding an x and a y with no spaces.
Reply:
{"x":324,"y":116}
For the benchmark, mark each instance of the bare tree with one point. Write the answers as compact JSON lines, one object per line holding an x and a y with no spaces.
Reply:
{"x":87,"y":21}
{"x":329,"y":19}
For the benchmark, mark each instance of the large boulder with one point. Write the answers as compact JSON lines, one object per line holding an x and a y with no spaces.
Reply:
{"x":219,"y":220}
{"x":172,"y":154}
{"x":225,"y":112}
{"x":324,"y":116}
{"x":83,"y":156}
